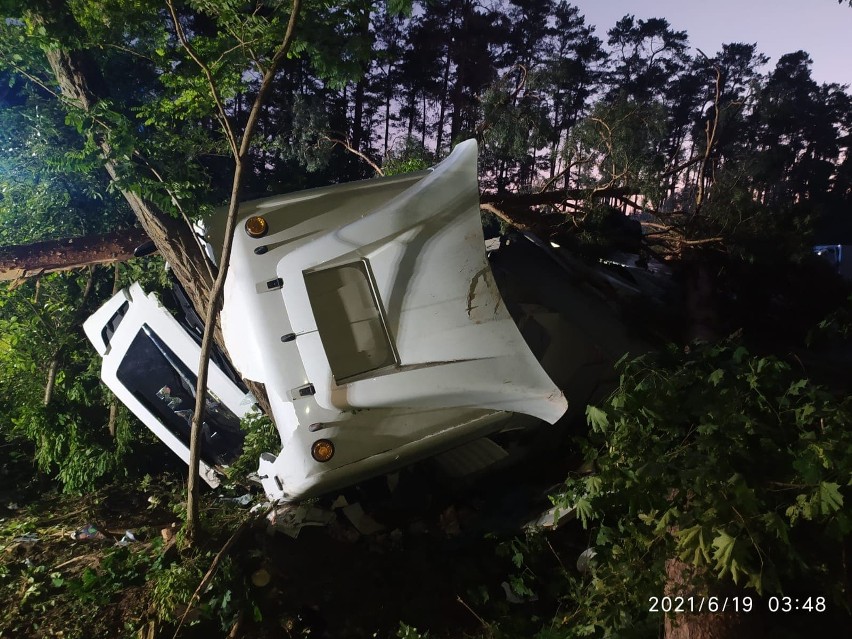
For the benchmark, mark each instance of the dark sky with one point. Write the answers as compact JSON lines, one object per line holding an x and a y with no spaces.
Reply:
{"x":823,"y":28}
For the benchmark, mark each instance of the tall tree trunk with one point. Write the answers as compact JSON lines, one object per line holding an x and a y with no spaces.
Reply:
{"x":357,"y":126}
{"x":388,"y":96}
{"x":723,"y":624}
{"x":443,"y":110}
{"x":703,"y":324}
{"x":50,"y":384}
{"x":412,"y":111}
{"x":56,"y":360}
{"x":360,"y":87}
{"x":173,"y":238}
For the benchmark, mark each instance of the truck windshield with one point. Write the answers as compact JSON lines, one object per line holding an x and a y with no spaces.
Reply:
{"x":161,"y":381}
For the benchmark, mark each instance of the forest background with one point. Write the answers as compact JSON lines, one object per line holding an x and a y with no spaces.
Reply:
{"x":722,"y":167}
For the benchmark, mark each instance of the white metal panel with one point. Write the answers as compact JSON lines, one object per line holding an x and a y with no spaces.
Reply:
{"x":146,"y":309}
{"x":463,"y":366}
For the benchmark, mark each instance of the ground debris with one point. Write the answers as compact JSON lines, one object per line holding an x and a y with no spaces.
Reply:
{"x":551,"y":519}
{"x":363,"y":523}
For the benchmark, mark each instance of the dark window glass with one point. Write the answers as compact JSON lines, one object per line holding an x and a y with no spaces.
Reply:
{"x":166,"y":387}
{"x":112,"y":325}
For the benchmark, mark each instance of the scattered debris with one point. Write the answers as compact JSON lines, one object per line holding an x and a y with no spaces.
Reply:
{"x":511,"y":597}
{"x":290,"y":519}
{"x":87,"y":532}
{"x":23,"y":545}
{"x":128,"y":538}
{"x":551,"y":519}
{"x":340,"y":502}
{"x":363,"y":523}
{"x":585,"y":562}
{"x":343,"y":532}
{"x":242,"y":500}
{"x":168,"y":534}
{"x":264,"y":505}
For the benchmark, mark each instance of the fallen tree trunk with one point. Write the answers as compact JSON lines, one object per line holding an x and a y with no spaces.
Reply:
{"x":29,"y":260}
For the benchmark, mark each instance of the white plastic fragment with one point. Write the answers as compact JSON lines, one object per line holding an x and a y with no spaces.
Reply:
{"x":291,"y":519}
{"x":128,"y":538}
{"x":363,"y":523}
{"x":551,"y":519}
{"x":512,"y":598}
{"x":585,"y":562}
{"x":242,"y":500}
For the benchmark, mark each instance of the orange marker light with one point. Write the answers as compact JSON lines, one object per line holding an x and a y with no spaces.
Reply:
{"x":256,"y":226}
{"x":322,"y":450}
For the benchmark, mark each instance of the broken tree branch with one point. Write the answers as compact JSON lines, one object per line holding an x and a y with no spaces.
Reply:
{"x":22,"y":261}
{"x":505,"y":217}
{"x":348,"y":146}
{"x":551,"y":197}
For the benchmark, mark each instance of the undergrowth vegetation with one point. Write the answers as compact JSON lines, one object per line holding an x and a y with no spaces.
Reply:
{"x":103,"y":583}
{"x":732,"y":463}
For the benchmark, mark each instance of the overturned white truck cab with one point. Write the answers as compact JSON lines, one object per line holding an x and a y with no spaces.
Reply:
{"x":370,"y":313}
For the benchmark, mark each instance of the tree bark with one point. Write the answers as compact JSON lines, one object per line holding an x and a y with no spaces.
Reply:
{"x":439,"y":142}
{"x":56,"y":360}
{"x":173,"y":238}
{"x":723,"y":624}
{"x":702,"y":324}
{"x":29,"y":260}
{"x":50,"y":384}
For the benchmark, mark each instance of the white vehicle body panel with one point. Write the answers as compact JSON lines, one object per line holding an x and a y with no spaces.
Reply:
{"x":461,"y":365}
{"x":371,"y":315}
{"x":145,"y":311}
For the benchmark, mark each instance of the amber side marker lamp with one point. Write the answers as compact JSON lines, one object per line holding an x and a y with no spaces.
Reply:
{"x":256,"y":226}
{"x":322,"y":450}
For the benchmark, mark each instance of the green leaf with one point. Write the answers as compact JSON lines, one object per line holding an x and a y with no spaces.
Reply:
{"x":797,"y":387}
{"x":584,"y":510}
{"x":716,"y":376}
{"x":594,"y":485}
{"x":596,"y":418}
{"x":830,"y":498}
{"x":739,"y":354}
{"x":725,"y":553}
{"x":692,"y":546}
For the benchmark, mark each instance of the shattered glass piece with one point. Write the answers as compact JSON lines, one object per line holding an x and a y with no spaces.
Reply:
{"x":165,"y":394}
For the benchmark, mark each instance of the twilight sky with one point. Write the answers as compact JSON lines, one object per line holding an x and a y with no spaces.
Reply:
{"x":823,"y":28}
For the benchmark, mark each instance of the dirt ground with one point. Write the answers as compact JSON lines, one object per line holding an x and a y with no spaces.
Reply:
{"x":436,"y":561}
